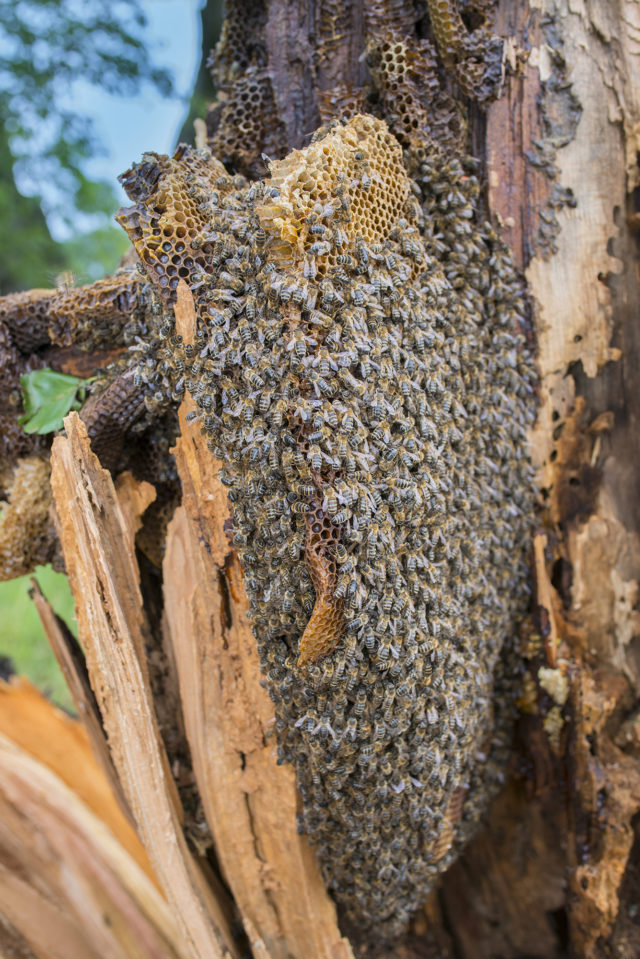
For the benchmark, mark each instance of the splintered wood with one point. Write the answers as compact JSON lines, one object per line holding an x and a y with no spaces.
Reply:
{"x":74,"y":879}
{"x":250,"y":801}
{"x":97,"y":542}
{"x":71,"y":661}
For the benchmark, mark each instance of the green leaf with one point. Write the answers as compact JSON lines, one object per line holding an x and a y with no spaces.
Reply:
{"x":47,"y":397}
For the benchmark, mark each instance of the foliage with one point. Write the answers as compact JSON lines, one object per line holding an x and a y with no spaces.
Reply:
{"x":48,"y":45}
{"x":22,"y":637}
{"x":30,"y":257}
{"x":46,"y":48}
{"x":90,"y":255}
{"x":47,"y":397}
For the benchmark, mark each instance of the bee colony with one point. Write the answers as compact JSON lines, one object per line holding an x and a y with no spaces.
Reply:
{"x":361,"y":373}
{"x":369,"y":409}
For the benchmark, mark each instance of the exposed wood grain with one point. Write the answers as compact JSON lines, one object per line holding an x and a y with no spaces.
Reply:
{"x":98,"y":547}
{"x":546,"y":597}
{"x":517,"y":188}
{"x":62,"y":744}
{"x":68,"y":888}
{"x":574,"y":312}
{"x":71,"y":661}
{"x":250,"y":802}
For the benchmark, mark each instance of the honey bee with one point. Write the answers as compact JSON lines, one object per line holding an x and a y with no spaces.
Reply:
{"x":254,"y":379}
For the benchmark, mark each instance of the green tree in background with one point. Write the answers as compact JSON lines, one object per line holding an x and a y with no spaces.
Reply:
{"x":47,"y":46}
{"x":29,"y":254}
{"x":211,"y":17}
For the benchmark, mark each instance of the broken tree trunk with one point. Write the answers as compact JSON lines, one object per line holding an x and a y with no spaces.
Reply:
{"x":74,"y":878}
{"x":554,"y":871}
{"x":249,"y":801}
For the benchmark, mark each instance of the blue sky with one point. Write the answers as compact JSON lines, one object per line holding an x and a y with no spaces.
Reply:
{"x":127,"y":127}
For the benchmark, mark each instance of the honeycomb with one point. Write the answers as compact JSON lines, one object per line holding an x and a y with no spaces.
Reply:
{"x":14,"y":442}
{"x":452,"y":817}
{"x":26,"y":315}
{"x":405,"y":74}
{"x":366,"y":193}
{"x":90,"y":315}
{"x":395,"y":16}
{"x":244,"y":123}
{"x":475,"y":58}
{"x":246,"y":119}
{"x":174,"y":197}
{"x":154,"y":462}
{"x":326,"y":626}
{"x":360,"y":371}
{"x":109,"y":416}
{"x":241,"y":42}
{"x":93,"y":315}
{"x":152,"y":535}
{"x":27,"y":538}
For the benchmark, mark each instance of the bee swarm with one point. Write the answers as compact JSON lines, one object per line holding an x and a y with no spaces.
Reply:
{"x":360,"y":372}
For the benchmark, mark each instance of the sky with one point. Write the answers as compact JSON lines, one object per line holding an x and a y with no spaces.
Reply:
{"x":128,"y":127}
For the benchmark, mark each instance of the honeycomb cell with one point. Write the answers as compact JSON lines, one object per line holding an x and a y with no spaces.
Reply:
{"x":27,"y":537}
{"x":109,"y":416}
{"x":152,"y":535}
{"x":246,"y":125}
{"x":26,"y":316}
{"x":405,"y":74}
{"x":241,"y":42}
{"x":172,"y":199}
{"x":93,"y":315}
{"x":326,"y":626}
{"x":475,"y":58}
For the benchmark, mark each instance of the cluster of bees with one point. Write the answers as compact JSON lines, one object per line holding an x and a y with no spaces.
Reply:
{"x":360,"y":372}
{"x":360,"y":369}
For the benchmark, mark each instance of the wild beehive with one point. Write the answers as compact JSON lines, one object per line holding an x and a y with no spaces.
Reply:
{"x":363,"y":379}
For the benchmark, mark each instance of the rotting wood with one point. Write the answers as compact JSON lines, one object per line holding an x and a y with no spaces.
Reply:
{"x":546,"y":598}
{"x":97,"y":543}
{"x":250,"y":802}
{"x":576,"y":101}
